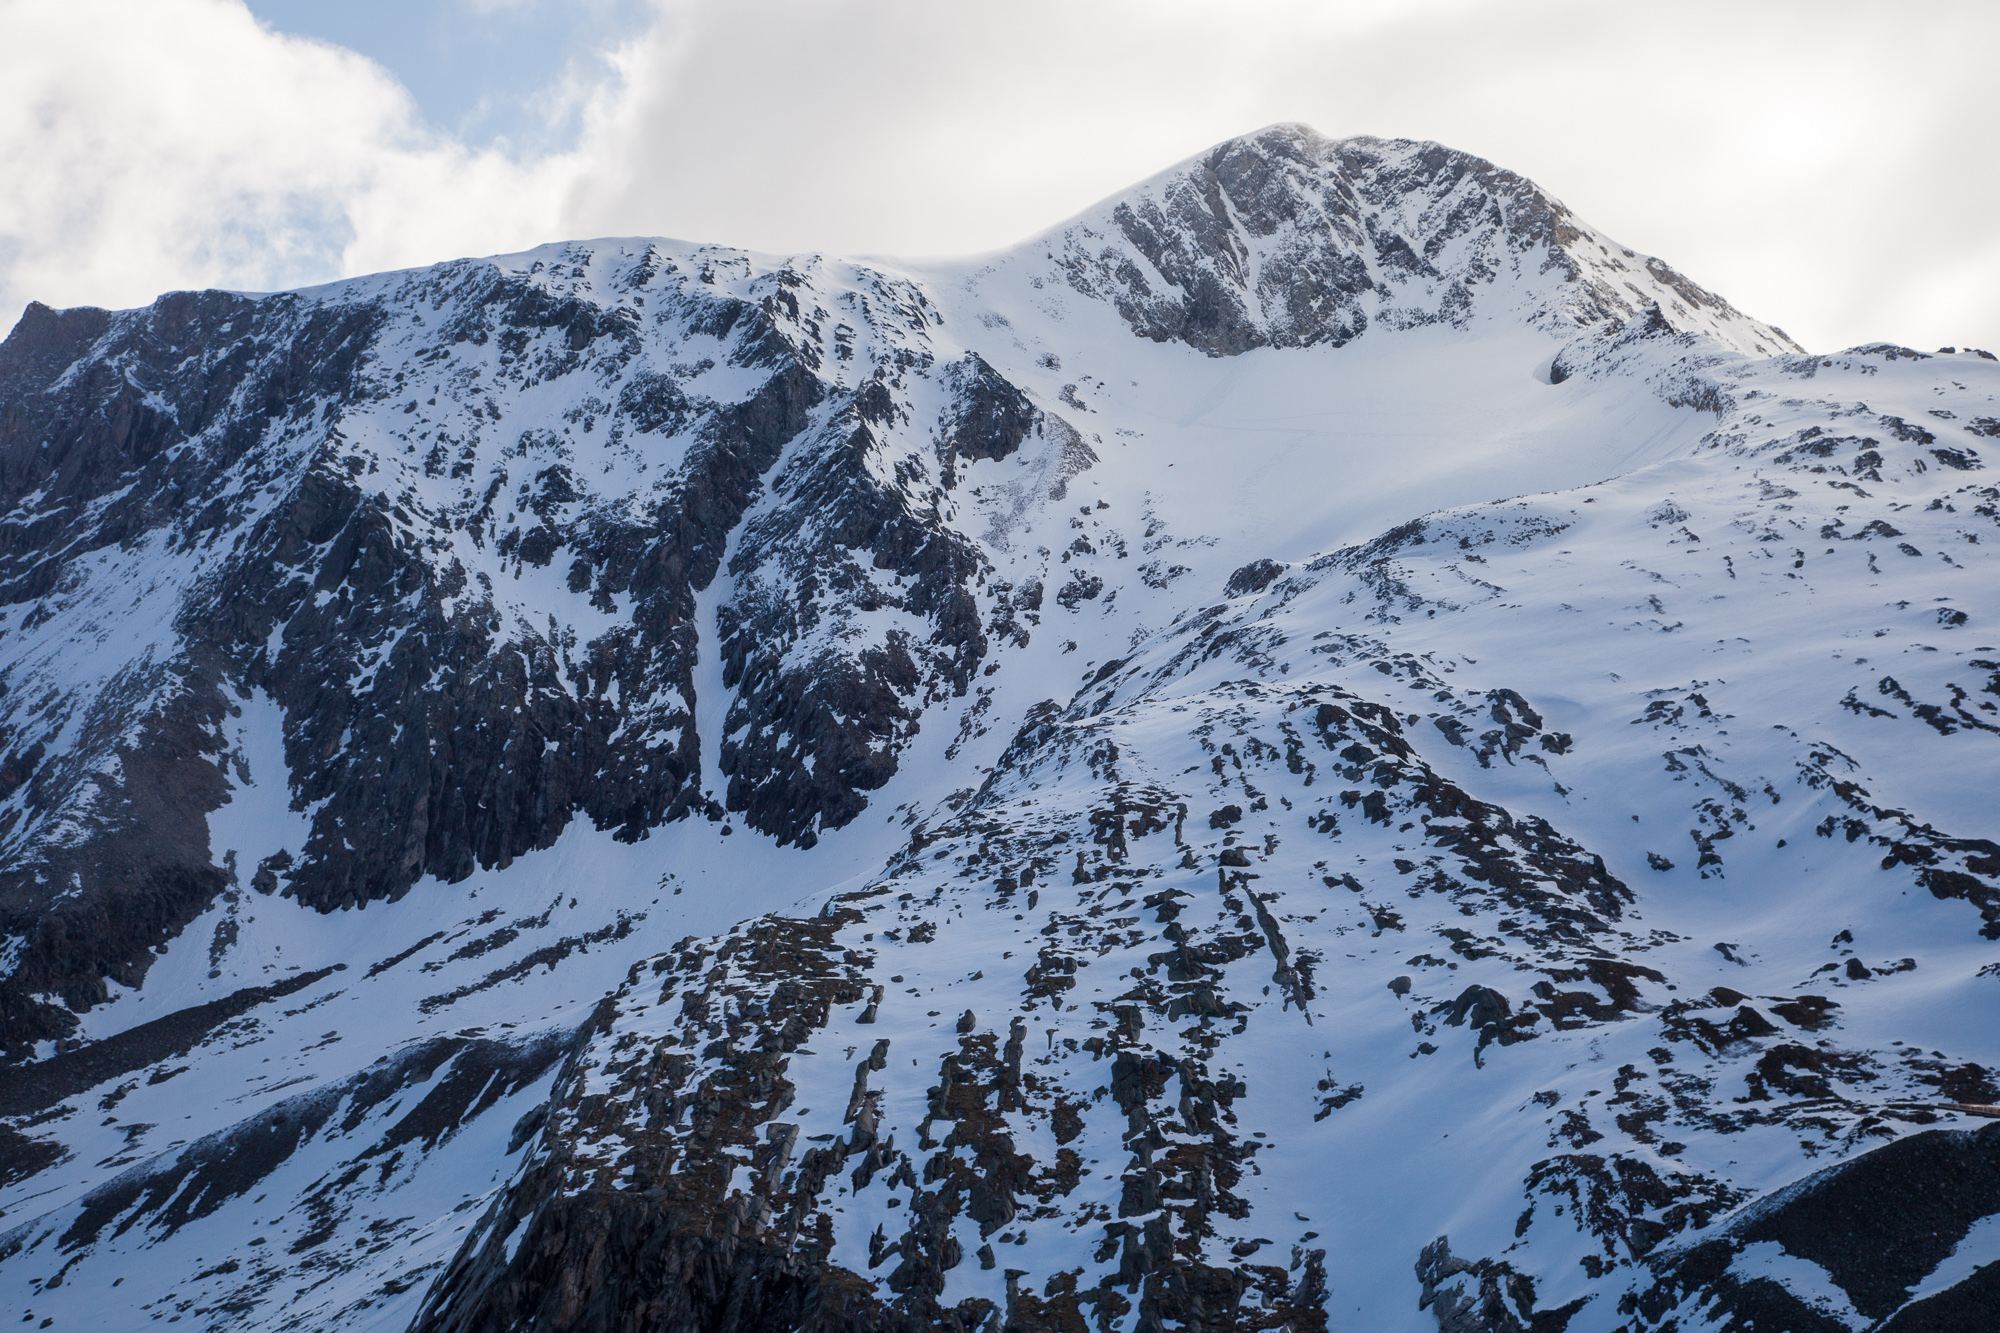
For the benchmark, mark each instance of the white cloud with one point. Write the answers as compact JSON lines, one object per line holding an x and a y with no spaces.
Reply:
{"x":1823,"y":165}
{"x":174,"y":143}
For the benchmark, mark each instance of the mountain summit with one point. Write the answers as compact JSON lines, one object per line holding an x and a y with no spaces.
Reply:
{"x":1288,"y":239}
{"x":645,"y":785}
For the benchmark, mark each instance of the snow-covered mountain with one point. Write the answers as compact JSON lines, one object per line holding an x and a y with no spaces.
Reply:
{"x":1321,"y":746}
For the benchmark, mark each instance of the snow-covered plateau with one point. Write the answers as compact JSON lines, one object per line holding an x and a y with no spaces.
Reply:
{"x":1321,"y":746}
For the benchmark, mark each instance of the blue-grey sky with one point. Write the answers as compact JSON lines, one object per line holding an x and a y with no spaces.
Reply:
{"x":476,"y":70}
{"x":1825,"y":164}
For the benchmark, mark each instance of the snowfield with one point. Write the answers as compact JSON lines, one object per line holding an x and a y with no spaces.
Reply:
{"x":1321,"y":746}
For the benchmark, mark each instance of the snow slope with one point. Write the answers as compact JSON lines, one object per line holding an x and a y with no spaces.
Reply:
{"x":1388,"y":763}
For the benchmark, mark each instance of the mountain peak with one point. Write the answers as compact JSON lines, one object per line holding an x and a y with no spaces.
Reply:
{"x":1287,"y":238}
{"x":1034,"y":795}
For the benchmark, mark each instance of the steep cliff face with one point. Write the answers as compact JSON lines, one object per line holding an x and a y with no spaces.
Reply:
{"x":646,"y":785}
{"x":454,"y":524}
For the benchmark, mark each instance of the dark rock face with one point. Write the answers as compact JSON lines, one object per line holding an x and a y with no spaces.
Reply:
{"x":1483,"y":1296}
{"x":94,"y":461}
{"x":683,"y":1247}
{"x":819,"y":726}
{"x":989,"y":417}
{"x":1253,"y":577}
{"x":661,"y":1254}
{"x":323,"y":480}
{"x":1877,"y":1225}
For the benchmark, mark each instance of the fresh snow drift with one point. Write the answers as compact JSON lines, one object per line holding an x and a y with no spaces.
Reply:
{"x":1321,"y":746}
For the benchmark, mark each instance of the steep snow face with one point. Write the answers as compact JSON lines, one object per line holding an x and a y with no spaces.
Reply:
{"x":1092,"y":813}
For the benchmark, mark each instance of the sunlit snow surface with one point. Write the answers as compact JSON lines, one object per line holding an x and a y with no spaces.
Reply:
{"x":1726,"y":651}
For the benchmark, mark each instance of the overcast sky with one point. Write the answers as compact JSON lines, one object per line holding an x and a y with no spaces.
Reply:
{"x":1828,"y":166}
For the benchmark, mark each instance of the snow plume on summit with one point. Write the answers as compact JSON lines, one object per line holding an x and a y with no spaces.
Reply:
{"x":1319,"y":746}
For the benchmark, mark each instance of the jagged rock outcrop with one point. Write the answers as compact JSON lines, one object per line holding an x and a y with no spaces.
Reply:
{"x":1879,"y":1227}
{"x":1290,"y":239}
